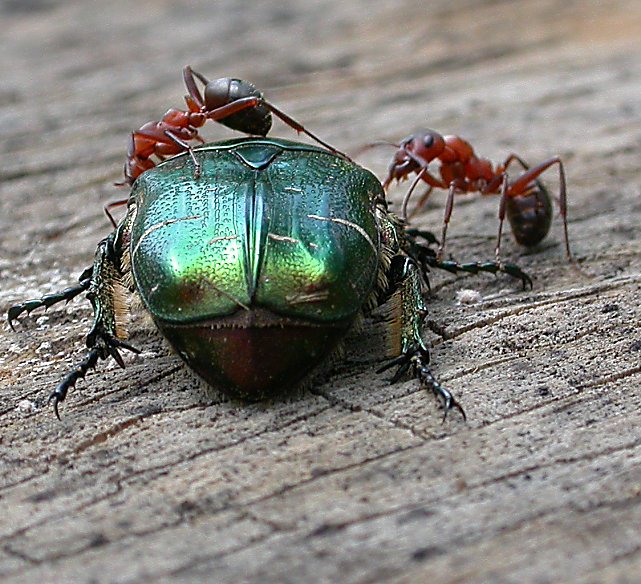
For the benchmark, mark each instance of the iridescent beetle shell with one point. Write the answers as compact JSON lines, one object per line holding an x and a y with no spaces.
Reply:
{"x":255,"y":269}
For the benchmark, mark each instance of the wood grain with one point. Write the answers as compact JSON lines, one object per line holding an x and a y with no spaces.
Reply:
{"x":150,"y":477}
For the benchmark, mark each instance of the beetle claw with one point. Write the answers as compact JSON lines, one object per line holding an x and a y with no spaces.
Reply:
{"x":49,"y":299}
{"x":103,"y":345}
{"x":516,"y":272}
{"x":396,"y":361}
{"x":418,"y":359}
{"x":60,"y":393}
{"x":116,"y":356}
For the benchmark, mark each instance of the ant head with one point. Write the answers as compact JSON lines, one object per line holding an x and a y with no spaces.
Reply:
{"x":252,"y":120}
{"x":425,"y":144}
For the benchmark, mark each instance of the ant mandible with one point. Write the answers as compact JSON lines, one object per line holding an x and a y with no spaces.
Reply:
{"x":525,"y":201}
{"x":235,"y":103}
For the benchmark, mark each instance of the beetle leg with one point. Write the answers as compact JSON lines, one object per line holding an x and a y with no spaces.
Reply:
{"x":109,"y":346}
{"x":50,"y":299}
{"x":419,"y":359}
{"x":428,"y":236}
{"x":489,"y":267}
{"x":107,"y":295}
{"x":427,"y":258}
{"x":408,"y":302}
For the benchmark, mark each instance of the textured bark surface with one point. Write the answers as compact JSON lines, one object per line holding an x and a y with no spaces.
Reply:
{"x":150,"y":478}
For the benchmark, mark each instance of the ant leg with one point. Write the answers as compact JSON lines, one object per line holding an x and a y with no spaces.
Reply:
{"x":192,"y":88}
{"x":408,"y":194}
{"x":422,"y":201}
{"x":563,"y":209}
{"x":244,"y":103}
{"x":449,"y":206}
{"x":514,"y":158}
{"x":188,"y":149}
{"x":112,"y":205}
{"x":427,"y":258}
{"x":431,"y":180}
{"x":292,"y":123}
{"x":502,"y":208}
{"x":521,"y":184}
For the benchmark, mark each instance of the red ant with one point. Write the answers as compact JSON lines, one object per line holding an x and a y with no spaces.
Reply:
{"x":525,"y":200}
{"x":235,"y":103}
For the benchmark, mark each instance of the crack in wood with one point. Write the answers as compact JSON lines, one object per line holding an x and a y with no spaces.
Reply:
{"x":471,"y":537}
{"x":353,"y":408}
{"x":159,"y":469}
{"x":616,"y":376}
{"x":246,"y":506}
{"x":546,"y":299}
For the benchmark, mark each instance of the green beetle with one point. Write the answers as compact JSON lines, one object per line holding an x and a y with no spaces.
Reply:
{"x":254,"y":256}
{"x":275,"y":245}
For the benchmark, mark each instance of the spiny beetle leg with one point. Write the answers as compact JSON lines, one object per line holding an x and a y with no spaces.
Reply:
{"x":428,"y":236}
{"x":111,"y":345}
{"x":104,"y":346}
{"x":60,"y":393}
{"x":476,"y":267}
{"x":50,"y":299}
{"x":516,"y":272}
{"x":418,"y":360}
{"x":428,"y":258}
{"x":403,"y":366}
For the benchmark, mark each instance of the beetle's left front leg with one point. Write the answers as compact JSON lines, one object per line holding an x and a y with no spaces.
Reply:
{"x":107,"y":295}
{"x":49,"y":300}
{"x":409,"y":310}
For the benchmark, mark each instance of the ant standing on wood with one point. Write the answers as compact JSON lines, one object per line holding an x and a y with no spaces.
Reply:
{"x":525,"y":201}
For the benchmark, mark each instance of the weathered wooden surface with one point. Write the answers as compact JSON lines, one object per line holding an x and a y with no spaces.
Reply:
{"x":150,"y":479}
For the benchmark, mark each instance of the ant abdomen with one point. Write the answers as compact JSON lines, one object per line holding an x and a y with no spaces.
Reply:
{"x":530,"y":215}
{"x":256,"y":120}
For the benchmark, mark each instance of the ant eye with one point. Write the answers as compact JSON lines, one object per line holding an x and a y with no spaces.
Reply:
{"x":428,"y":141}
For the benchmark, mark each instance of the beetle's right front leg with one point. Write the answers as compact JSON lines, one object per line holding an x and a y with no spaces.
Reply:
{"x":410,"y":309}
{"x":108,"y":297}
{"x":404,"y":293}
